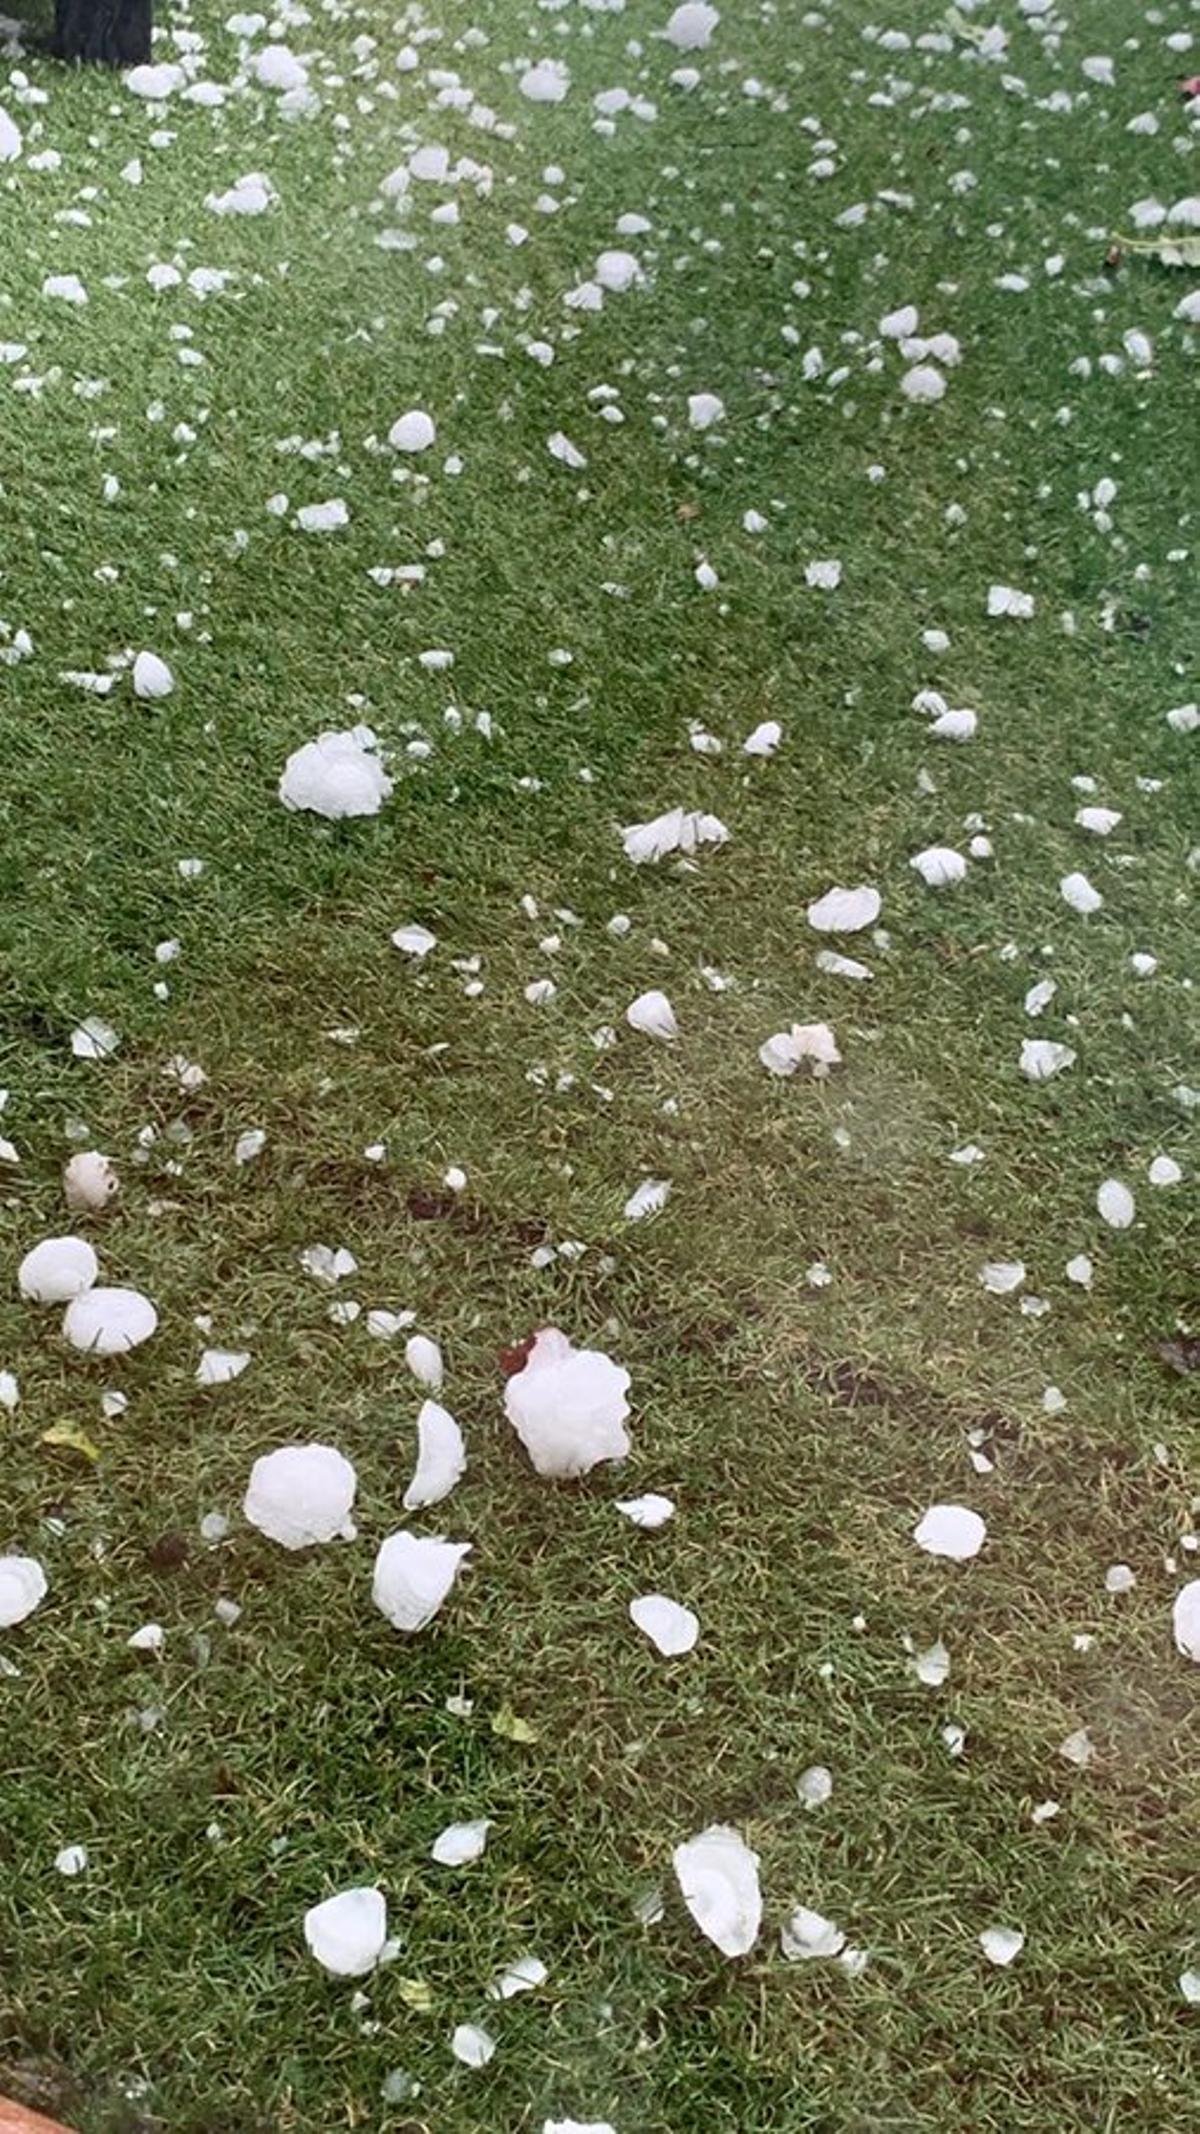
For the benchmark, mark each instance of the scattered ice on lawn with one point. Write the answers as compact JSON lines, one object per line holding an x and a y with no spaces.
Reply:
{"x":441,"y":1457}
{"x":718,"y":1879}
{"x":1002,"y":1945}
{"x":671,"y":1628}
{"x":950,"y":1530}
{"x":301,"y":1495}
{"x":414,"y":1575}
{"x":347,"y":1933}
{"x":679,"y":830}
{"x":568,"y":1407}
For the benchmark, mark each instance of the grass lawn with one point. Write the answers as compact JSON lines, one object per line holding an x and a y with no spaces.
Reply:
{"x":815,"y":1359}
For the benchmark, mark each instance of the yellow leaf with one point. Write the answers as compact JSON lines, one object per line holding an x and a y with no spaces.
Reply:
{"x":70,"y":1438}
{"x":510,"y":1728}
{"x":415,"y":1994}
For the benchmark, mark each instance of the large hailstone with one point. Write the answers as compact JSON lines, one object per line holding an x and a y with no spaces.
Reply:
{"x":813,"y":1044}
{"x":1186,"y":1620}
{"x":441,"y":1457}
{"x":152,"y":678}
{"x":302,"y":1494}
{"x":22,"y":1588}
{"x":950,"y":1530}
{"x":347,"y":1933}
{"x":845,"y":911}
{"x":413,"y":431}
{"x":691,"y":26}
{"x":108,"y":1322}
{"x":718,"y":1878}
{"x":568,"y":1407}
{"x":414,"y":1574}
{"x":57,"y":1270}
{"x":89,"y":1182}
{"x":338,"y":775}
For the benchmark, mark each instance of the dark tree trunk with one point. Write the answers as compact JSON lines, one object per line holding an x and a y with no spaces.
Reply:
{"x":110,"y":33}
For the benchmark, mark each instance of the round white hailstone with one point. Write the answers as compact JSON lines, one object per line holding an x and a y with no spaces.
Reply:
{"x":939,"y":866}
{"x":416,"y":941}
{"x":950,"y":1530}
{"x":1186,"y":1619}
{"x":1164,"y":1171}
{"x":704,"y":409}
{"x":653,"y":1015}
{"x":412,"y":432}
{"x":845,"y":911}
{"x":671,"y":1629}
{"x":336,"y":776}
{"x":923,"y":383}
{"x":413,"y":1575}
{"x":347,"y":1933}
{"x":1115,"y":1204}
{"x":152,"y":678}
{"x":1189,"y":1981}
{"x":108,"y":1322}
{"x":424,"y":1360}
{"x":71,"y":1860}
{"x":1079,"y":1271}
{"x":547,"y":83}
{"x":1119,"y":1578}
{"x":616,"y":270}
{"x":57,"y":1270}
{"x":90,"y":1183}
{"x":277,"y":68}
{"x":301,"y":1495}
{"x":718,"y":1880}
{"x":10,"y":139}
{"x":691,"y":26}
{"x":815,"y":1786}
{"x":568,"y":1407}
{"x":22,"y":1588}
{"x":1002,"y":1945}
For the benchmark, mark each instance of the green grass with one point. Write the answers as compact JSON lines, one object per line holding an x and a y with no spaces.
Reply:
{"x":801,"y":1430}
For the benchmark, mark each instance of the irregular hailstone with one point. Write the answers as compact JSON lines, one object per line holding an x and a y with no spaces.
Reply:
{"x":939,"y":866}
{"x":679,"y":830}
{"x":94,"y":1039}
{"x":1185,"y":1617}
{"x":1009,"y":600}
{"x":845,"y":911}
{"x":66,"y":287}
{"x":460,"y":1843}
{"x":155,"y":84}
{"x":327,"y":517}
{"x":764,"y":740}
{"x":650,"y":1198}
{"x":107,"y":1322}
{"x":616,"y":270}
{"x":413,"y":1576}
{"x":811,"y":1042}
{"x":89,"y":1182}
{"x":955,"y":725}
{"x":1001,"y":1277}
{"x":672,"y":1629}
{"x":10,"y":138}
{"x":650,"y":1511}
{"x":412,"y":432}
{"x":1100,"y":821}
{"x":653,"y":1015}
{"x":603,"y":2126}
{"x":1002,"y":1945}
{"x":57,"y":1270}
{"x":472,"y":2044}
{"x":923,"y":383}
{"x":219,"y":1367}
{"x":809,"y":1935}
{"x":252,"y":194}
{"x":568,"y":1406}
{"x":337,"y":775}
{"x":1041,"y":1058}
{"x":950,"y":1530}
{"x":347,"y":1933}
{"x":691,"y":26}
{"x":441,"y":1457}
{"x":301,"y":1495}
{"x":1115,"y":1204}
{"x":836,"y":966}
{"x":1078,"y":892}
{"x":277,"y":68}
{"x":704,"y":409}
{"x":152,"y":678}
{"x":22,"y":1588}
{"x":718,"y":1879}
{"x":546,"y":83}
{"x":416,"y":941}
